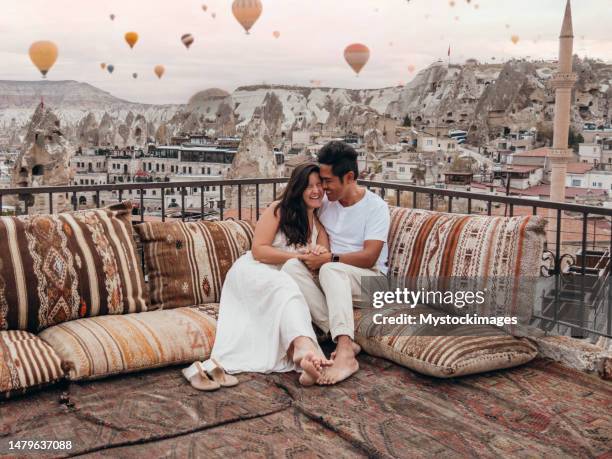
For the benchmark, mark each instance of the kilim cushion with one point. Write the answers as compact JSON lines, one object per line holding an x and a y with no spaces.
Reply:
{"x":107,"y":345}
{"x":425,"y":243}
{"x":446,"y":352}
{"x":55,"y":268}
{"x":501,"y":255}
{"x":26,"y":362}
{"x":186,"y":263}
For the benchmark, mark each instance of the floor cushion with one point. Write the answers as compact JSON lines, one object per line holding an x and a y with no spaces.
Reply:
{"x":26,"y":362}
{"x":186,"y":262}
{"x":442,"y":351}
{"x":55,"y":268}
{"x":97,"y":347}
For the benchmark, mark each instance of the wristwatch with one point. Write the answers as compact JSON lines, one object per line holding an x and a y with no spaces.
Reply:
{"x":335,"y":258}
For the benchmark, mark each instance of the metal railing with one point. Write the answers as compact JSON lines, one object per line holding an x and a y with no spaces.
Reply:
{"x":569,"y":222}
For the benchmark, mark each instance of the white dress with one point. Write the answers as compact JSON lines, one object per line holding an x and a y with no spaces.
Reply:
{"x":262,"y":310}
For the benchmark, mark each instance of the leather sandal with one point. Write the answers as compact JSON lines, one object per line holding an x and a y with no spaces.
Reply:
{"x":198,"y":378}
{"x":218,"y":374}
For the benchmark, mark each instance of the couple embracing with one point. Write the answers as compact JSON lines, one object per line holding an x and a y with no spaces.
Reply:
{"x":309,"y":253}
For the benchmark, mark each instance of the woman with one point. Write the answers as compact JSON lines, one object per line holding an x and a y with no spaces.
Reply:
{"x":264,"y":323}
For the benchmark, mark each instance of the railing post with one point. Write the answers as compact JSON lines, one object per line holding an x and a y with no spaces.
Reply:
{"x":431,"y":201}
{"x":257,"y":201}
{"x":469,"y":209}
{"x":142,"y":206}
{"x":584,"y":241}
{"x":50,"y":203}
{"x":489,"y":208}
{"x":512,"y":210}
{"x":414,"y":199}
{"x":183,"y":203}
{"x":75,"y":201}
{"x":273,"y":191}
{"x":398,"y":197}
{"x":163,"y":203}
{"x":1,"y":204}
{"x":202,"y":202}
{"x":450,"y":204}
{"x":221,"y":203}
{"x":558,"y":243}
{"x":240,"y":200}
{"x":97,"y":199}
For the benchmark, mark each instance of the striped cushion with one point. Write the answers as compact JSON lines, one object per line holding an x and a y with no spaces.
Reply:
{"x":55,"y":268}
{"x":461,"y":351}
{"x":102,"y":346}
{"x":26,"y":362}
{"x":424,"y":243}
{"x":501,"y":255}
{"x":186,"y":263}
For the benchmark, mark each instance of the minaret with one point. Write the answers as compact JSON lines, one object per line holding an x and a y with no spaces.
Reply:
{"x":562,"y":82}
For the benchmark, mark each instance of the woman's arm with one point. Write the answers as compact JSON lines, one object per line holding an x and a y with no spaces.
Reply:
{"x":265,"y":231}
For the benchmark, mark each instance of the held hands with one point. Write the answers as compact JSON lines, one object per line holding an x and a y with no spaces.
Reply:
{"x":315,"y":256}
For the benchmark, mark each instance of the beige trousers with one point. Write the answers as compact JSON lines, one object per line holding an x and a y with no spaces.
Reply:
{"x":330,"y":298}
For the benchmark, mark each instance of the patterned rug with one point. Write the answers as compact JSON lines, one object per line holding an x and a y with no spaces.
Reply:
{"x":539,"y":410}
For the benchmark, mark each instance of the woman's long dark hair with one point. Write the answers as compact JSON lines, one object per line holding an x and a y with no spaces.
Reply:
{"x":293,"y":212}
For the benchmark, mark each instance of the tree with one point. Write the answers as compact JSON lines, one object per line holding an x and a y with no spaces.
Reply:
{"x":575,"y":139}
{"x":407,"y":121}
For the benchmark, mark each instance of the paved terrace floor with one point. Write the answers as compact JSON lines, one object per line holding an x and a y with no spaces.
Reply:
{"x":538,"y":410}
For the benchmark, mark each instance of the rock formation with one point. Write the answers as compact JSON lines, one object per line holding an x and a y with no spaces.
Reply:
{"x":43,"y":161}
{"x":484,"y":99}
{"x":255,"y":159}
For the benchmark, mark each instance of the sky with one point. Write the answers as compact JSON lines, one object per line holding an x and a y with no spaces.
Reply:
{"x":313,"y":36}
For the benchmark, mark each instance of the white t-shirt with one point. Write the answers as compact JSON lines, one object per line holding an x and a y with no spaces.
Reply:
{"x":349,"y":227}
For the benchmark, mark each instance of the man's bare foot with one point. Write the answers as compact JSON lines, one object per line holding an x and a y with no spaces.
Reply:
{"x":312,"y":364}
{"x":344,"y":366}
{"x":356,"y":349}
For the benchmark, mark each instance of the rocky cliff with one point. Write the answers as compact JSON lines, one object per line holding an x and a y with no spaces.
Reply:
{"x":88,"y":115}
{"x":485,"y":99}
{"x":481,"y":98}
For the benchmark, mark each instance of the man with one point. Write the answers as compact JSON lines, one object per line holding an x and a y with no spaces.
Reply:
{"x":357,"y":222}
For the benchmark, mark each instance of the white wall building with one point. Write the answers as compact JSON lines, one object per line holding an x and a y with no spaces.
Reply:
{"x":590,"y":153}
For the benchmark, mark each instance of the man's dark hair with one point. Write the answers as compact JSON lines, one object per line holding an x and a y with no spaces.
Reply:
{"x":341,"y":157}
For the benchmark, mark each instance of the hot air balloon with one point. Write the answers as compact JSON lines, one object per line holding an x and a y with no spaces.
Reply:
{"x":214,"y":15}
{"x":134,"y":75}
{"x":187,"y":40}
{"x":110,"y":68}
{"x":357,"y":56}
{"x":103,"y":65}
{"x":112,"y":17}
{"x":205,"y":8}
{"x":159,"y":71}
{"x":515,"y":39}
{"x":131,"y":38}
{"x":247,"y":12}
{"x":276,"y":34}
{"x":411,"y":68}
{"x":43,"y":55}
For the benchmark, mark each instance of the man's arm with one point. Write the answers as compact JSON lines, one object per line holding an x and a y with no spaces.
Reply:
{"x":376,"y":232}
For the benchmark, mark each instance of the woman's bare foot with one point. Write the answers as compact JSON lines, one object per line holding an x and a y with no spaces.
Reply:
{"x":312,"y":366}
